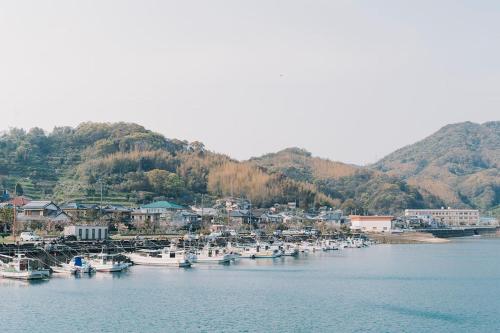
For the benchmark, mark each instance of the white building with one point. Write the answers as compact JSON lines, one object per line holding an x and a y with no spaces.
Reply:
{"x":86,"y":232}
{"x":450,"y":217}
{"x":371,"y":223}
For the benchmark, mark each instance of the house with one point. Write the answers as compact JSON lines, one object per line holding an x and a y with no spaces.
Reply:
{"x":205,"y":211}
{"x":184,"y":218}
{"x":231,"y":203}
{"x":242,"y":216}
{"x":265,"y":216}
{"x":117,"y":213}
{"x":45,"y":212}
{"x":40,"y":209}
{"x":331,"y":216}
{"x":81,"y":211}
{"x":142,"y":219}
{"x":161,"y":207}
{"x":371,"y":223}
{"x":164,"y":209}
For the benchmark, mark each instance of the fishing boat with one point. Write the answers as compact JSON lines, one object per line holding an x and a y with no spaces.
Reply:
{"x":164,"y":257}
{"x":63,"y":269}
{"x":234,"y":252}
{"x":22,"y":268}
{"x":81,"y":265}
{"x":267,"y":251}
{"x":290,"y":249}
{"x":247,"y":252}
{"x":104,"y":262}
{"x":210,"y":255}
{"x":329,"y":245}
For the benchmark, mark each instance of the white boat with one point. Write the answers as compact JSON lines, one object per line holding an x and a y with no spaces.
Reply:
{"x":329,"y":245}
{"x":63,"y":269}
{"x":103,"y":262}
{"x":234,"y":252}
{"x":290,"y":249}
{"x":209,"y":255}
{"x":260,"y":251}
{"x":246,"y":252}
{"x":165,"y":257}
{"x":309,"y":247}
{"x":23,"y":268}
{"x":267,"y":251}
{"x":81,"y":265}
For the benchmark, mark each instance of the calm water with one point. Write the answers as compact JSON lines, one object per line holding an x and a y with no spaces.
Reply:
{"x":452,"y":287}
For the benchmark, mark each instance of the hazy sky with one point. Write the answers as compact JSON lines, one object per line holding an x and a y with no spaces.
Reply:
{"x":347,"y":80}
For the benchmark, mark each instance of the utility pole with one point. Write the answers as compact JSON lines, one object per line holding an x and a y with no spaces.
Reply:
{"x":14,"y":224}
{"x":250,"y":211}
{"x":202,"y":204}
{"x":100,"y":206}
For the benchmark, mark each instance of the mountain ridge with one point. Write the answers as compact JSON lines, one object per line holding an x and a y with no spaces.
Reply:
{"x":457,"y":165}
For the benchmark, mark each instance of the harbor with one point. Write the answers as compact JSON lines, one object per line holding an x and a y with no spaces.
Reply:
{"x":381,"y":288}
{"x":76,"y":257}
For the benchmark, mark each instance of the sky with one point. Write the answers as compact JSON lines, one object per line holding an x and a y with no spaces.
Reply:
{"x":347,"y":80}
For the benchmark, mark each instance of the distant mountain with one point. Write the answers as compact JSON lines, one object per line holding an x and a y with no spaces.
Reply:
{"x":352,"y":188}
{"x":459,"y":164}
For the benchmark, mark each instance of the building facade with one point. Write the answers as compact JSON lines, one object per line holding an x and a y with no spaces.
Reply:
{"x":449,"y":217}
{"x":371,"y":223}
{"x":86,"y":232}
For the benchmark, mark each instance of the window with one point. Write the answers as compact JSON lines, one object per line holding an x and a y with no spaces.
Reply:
{"x":80,"y":233}
{"x":99,"y":233}
{"x":86,"y":233}
{"x":93,"y":233}
{"x":106,"y":233}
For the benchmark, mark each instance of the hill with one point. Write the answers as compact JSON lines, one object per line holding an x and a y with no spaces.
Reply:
{"x":457,"y":166}
{"x":459,"y":163}
{"x":133,"y":165}
{"x":351,"y":187}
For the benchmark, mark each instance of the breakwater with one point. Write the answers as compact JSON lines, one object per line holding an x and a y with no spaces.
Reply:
{"x":463,"y":232}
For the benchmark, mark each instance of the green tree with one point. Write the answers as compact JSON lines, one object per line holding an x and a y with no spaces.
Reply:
{"x":19,"y":189}
{"x":6,"y":218}
{"x":165,"y":183}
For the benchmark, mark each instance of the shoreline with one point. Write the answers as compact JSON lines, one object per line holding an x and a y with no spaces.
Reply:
{"x":408,"y":238}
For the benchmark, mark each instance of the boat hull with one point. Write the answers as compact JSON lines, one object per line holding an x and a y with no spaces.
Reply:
{"x":138,"y":260}
{"x":35,"y":275}
{"x":211,"y":260}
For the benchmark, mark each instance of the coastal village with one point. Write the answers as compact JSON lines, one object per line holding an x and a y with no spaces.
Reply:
{"x":45,"y":238}
{"x":48,"y":218}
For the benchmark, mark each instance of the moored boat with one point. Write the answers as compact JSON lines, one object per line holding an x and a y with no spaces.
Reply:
{"x":210,"y":255}
{"x":81,"y":265}
{"x":63,"y":269}
{"x":103,"y":262}
{"x":23,"y":268}
{"x":165,"y":257}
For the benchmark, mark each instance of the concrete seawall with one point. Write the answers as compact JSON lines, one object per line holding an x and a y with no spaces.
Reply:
{"x":465,"y":232}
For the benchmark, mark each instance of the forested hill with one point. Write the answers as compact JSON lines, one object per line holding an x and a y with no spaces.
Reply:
{"x":135,"y":165}
{"x":350,"y":187}
{"x":459,"y":163}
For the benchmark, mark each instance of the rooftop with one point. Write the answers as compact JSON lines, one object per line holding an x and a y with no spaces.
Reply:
{"x":163,"y":205}
{"x":37,"y":204}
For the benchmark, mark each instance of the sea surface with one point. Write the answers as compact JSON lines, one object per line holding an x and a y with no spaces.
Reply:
{"x":453,"y":287}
